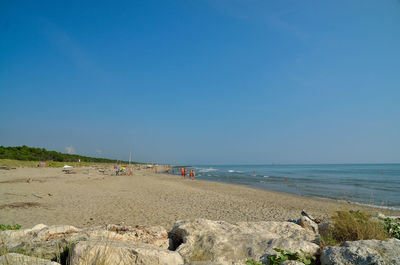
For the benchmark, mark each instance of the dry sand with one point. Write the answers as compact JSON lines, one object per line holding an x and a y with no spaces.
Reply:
{"x":29,"y":196}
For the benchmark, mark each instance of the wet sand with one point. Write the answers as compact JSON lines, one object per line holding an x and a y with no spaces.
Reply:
{"x":29,"y":196}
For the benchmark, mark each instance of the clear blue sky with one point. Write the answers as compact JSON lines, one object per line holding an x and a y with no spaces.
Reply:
{"x":203,"y":81}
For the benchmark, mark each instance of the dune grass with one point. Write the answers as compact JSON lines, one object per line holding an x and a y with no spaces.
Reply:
{"x":352,"y":226}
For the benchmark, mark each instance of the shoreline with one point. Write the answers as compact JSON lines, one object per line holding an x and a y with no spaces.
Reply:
{"x":370,"y":184}
{"x":90,"y":198}
{"x":334,"y":200}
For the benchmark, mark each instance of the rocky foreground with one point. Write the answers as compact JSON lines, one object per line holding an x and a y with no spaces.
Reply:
{"x":197,"y":241}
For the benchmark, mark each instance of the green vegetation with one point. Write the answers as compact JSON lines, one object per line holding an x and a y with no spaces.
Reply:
{"x":4,"y":227}
{"x":392,"y":227}
{"x":328,"y":239}
{"x":26,"y":153}
{"x":288,"y":255}
{"x":285,"y":255}
{"x":20,"y":163}
{"x":352,"y":226}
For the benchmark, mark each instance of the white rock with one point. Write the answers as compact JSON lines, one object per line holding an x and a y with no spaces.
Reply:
{"x":380,"y":215}
{"x":38,"y":227}
{"x":19,"y":259}
{"x":121,"y":253}
{"x":55,"y":231}
{"x":206,"y":240}
{"x":379,"y":252}
{"x":14,"y":236}
{"x":51,"y":241}
{"x":154,"y":235}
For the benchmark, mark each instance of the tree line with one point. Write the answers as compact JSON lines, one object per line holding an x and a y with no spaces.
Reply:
{"x":41,"y":154}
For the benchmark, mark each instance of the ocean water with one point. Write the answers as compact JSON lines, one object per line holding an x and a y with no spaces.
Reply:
{"x":370,"y":184}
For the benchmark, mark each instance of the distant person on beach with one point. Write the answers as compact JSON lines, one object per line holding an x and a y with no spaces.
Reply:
{"x":192,"y":174}
{"x":183,"y":173}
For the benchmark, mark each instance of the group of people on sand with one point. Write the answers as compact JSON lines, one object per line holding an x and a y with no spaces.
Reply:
{"x":184,"y":173}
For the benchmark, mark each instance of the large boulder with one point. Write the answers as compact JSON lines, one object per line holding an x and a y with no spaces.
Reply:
{"x":14,"y":237}
{"x":48,"y":242}
{"x":51,"y":242}
{"x":218,"y":241}
{"x":363,"y":252}
{"x":19,"y":259}
{"x":122,"y":253}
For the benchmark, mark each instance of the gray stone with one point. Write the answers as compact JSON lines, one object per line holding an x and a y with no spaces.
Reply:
{"x":121,"y":253}
{"x":19,"y":259}
{"x":218,"y":241}
{"x":363,"y":252}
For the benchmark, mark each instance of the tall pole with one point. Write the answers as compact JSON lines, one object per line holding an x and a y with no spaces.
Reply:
{"x":130,"y":168}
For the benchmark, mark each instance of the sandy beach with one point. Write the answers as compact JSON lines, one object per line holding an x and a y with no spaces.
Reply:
{"x":29,"y":196}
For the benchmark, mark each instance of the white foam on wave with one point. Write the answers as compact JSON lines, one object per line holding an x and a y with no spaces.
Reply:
{"x":233,"y":171}
{"x":395,"y":208}
{"x":266,"y":176}
{"x":376,"y":206}
{"x":207,"y":169}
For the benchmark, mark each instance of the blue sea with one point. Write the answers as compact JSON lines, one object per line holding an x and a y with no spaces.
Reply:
{"x":370,"y":184}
